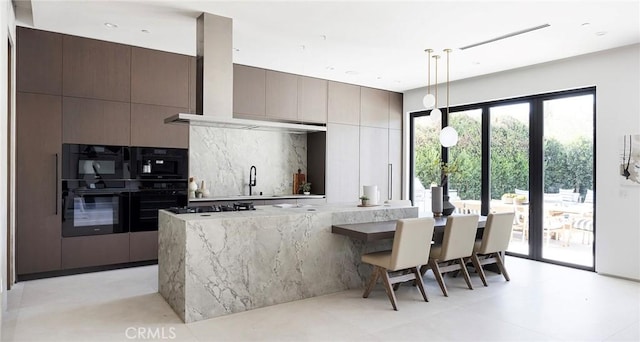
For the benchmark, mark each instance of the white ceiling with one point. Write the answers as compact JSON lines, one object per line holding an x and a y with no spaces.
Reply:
{"x":373,"y":43}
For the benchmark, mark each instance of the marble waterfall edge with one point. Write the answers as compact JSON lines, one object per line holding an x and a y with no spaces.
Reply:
{"x":222,"y":158}
{"x":234,"y":264}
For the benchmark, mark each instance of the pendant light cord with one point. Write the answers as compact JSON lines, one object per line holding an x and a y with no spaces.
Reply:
{"x":447,"y":51}
{"x":428,"y":70}
{"x":436,"y":57}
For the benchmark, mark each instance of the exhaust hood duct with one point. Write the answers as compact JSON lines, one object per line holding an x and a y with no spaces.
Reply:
{"x":214,"y":83}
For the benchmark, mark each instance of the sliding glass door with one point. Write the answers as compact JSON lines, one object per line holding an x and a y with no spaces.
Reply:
{"x":509,"y":163}
{"x":568,"y":180}
{"x":533,"y":156}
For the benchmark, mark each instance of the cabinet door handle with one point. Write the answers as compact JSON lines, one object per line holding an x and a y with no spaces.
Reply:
{"x":390,"y":181}
{"x":55,"y":202}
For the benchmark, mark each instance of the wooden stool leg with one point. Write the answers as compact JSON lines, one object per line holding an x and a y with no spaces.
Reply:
{"x":438,"y":275}
{"x":420,"y":282}
{"x":465,"y":273}
{"x":387,"y":286}
{"x":371,"y":283}
{"x":478,"y":267}
{"x":501,"y":267}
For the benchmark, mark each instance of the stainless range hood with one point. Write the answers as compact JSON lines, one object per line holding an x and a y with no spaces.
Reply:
{"x":214,"y":83}
{"x":257,"y":125}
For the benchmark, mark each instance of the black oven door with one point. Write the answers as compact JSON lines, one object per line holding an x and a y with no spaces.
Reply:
{"x":145,"y":204}
{"x":94,"y":162}
{"x":94,"y":208}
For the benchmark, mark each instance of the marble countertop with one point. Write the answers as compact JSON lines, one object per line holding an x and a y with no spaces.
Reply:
{"x":273,"y":210}
{"x":254,"y":197}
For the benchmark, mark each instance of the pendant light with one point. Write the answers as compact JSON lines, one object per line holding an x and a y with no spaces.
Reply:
{"x":436,"y":111}
{"x":429,"y":100}
{"x":448,"y":135}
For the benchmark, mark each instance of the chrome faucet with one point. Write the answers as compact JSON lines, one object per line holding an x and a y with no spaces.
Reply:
{"x":252,"y":178}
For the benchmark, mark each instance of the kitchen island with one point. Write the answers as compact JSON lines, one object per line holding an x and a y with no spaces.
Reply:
{"x":213,"y":264}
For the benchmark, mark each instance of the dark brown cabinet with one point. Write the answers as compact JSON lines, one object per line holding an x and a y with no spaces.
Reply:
{"x":249,"y":91}
{"x":39,"y":66}
{"x":312,"y":100}
{"x":86,"y":121}
{"x":143,"y":246}
{"x":96,"y":250}
{"x":159,"y":78}
{"x":38,"y":209}
{"x":281,"y":96}
{"x":148,"y":127}
{"x":96,"y":69}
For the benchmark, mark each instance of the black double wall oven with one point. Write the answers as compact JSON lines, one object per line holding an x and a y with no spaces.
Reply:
{"x":119,"y":189}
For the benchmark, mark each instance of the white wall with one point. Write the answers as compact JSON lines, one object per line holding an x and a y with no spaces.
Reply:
{"x":616,"y":75}
{"x":7,"y":29}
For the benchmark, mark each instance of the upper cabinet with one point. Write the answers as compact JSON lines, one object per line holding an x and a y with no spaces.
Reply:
{"x":312,"y":100}
{"x":374,"y":106}
{"x":96,"y":69}
{"x":87,"y":121}
{"x":281,"y":95}
{"x":395,"y":110}
{"x":148,"y":127}
{"x":39,"y":61}
{"x":160,"y":78}
{"x":343,"y":103}
{"x":249,"y":91}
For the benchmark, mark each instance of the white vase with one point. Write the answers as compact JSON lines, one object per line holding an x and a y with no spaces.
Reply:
{"x":193,"y":187}
{"x":204,"y":190}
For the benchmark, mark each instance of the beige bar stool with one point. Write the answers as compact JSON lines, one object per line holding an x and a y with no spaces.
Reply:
{"x":411,"y":245}
{"x":495,"y":240}
{"x":457,"y":244}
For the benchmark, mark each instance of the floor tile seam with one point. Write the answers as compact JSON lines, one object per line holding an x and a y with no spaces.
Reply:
{"x":608,"y":338}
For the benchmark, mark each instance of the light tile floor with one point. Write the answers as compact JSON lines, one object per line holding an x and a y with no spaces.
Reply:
{"x":541,"y":302}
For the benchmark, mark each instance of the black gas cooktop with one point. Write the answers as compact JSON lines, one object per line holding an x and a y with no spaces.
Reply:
{"x":236,"y":206}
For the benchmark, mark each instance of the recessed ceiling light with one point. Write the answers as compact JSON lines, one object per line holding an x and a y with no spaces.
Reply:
{"x":329,"y":68}
{"x":585,"y":24}
{"x":236,"y":49}
{"x":601,"y":33}
{"x":110,"y":25}
{"x":351,"y":72}
{"x":145,"y":31}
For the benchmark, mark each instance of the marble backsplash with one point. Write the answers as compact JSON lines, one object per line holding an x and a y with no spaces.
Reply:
{"x":222,"y":158}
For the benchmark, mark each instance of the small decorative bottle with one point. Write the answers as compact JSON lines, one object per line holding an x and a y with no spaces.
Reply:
{"x":193,"y":187}
{"x":203,"y":190}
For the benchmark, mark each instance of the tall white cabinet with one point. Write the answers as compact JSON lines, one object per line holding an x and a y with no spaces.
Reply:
{"x":364,"y":142}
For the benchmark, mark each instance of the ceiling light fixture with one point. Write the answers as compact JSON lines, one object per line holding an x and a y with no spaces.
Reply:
{"x":110,"y":25}
{"x":448,"y":135}
{"x":429,"y":100}
{"x":436,"y":111}
{"x":145,"y":31}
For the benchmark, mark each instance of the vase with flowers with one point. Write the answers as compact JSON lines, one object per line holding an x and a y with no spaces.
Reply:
{"x":446,"y":169}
